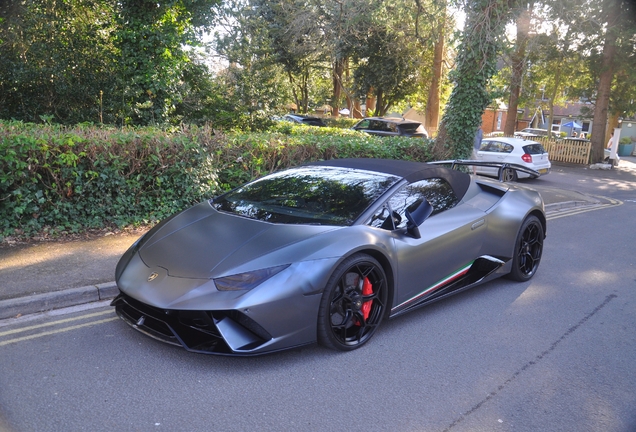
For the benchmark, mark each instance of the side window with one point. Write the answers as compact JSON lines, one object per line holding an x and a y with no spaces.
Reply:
{"x":364,"y":124}
{"x":376,"y":125}
{"x":499,"y":147}
{"x":436,"y":190}
{"x":495,"y":147}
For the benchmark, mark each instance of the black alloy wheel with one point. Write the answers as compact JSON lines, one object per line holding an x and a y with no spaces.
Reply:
{"x":528,"y":250}
{"x":354,"y":303}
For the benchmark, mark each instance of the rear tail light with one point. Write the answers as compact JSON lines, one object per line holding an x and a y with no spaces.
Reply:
{"x":526,"y":158}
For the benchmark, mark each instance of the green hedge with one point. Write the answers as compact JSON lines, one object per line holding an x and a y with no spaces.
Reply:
{"x":59,"y":179}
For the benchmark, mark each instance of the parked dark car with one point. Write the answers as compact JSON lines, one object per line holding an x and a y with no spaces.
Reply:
{"x":389,"y":126}
{"x":304,"y":119}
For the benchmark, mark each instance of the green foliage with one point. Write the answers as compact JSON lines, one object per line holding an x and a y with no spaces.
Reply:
{"x":476,"y":64}
{"x":322,"y":47}
{"x":68,"y":179}
{"x":390,"y":62}
{"x":150,"y":37}
{"x":97,"y":60}
{"x":56,"y":57}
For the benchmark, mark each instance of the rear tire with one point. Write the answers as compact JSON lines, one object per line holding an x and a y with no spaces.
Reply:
{"x":354,"y":303}
{"x":528,"y":250}
{"x":510,"y":175}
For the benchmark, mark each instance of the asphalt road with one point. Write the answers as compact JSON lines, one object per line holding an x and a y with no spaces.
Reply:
{"x":554,"y":354}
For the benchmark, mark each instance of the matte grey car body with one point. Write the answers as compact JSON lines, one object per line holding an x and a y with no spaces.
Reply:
{"x":238,"y":275}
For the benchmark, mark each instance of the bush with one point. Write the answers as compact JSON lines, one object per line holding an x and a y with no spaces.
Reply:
{"x":63,"y":179}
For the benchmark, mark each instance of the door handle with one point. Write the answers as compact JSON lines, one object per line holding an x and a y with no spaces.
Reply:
{"x":477,"y":224}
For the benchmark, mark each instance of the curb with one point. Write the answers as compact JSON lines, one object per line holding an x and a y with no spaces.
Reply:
{"x":37,"y":303}
{"x":556,"y":207}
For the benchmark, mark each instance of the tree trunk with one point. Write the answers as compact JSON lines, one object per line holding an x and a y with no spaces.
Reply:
{"x":304,"y":90}
{"x":518,"y":62}
{"x":431,"y":116}
{"x":370,"y":104}
{"x":557,"y":85}
{"x":294,"y":93}
{"x":605,"y":82}
{"x":338,"y":69}
{"x":357,"y":109}
{"x":379,"y":103}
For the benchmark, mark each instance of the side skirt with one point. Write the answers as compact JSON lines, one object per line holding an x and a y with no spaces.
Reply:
{"x":471,"y":275}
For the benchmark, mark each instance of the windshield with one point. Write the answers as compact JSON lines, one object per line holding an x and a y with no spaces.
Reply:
{"x":307,"y":195}
{"x":410,"y":128}
{"x":533,"y":149}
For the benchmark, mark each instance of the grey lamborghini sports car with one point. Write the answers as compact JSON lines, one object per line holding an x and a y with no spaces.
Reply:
{"x":324,"y":253}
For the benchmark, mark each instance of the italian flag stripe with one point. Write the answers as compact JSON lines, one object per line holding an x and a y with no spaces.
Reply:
{"x":459,"y":273}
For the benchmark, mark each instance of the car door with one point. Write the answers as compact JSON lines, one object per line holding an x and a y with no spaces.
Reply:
{"x":451,"y":239}
{"x":494,"y":151}
{"x":489,"y":152}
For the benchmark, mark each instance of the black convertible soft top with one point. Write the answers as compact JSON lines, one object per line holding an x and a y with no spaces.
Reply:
{"x":408,"y":170}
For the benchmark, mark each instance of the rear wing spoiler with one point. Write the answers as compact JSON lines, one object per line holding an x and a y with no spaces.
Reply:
{"x":501,"y":166}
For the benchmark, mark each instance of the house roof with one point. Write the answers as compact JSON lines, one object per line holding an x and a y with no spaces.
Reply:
{"x":570,"y":109}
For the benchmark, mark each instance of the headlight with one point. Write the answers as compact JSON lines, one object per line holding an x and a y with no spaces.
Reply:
{"x":247,"y":281}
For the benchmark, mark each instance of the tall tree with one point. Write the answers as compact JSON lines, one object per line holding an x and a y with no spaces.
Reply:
{"x":394,"y":58}
{"x":388,"y":68}
{"x":56,"y":58}
{"x":612,"y":14}
{"x":432,"y":103}
{"x":475,"y":65}
{"x":518,"y":66}
{"x":151,"y":37}
{"x":295,"y":41}
{"x":254,"y":80}
{"x":591,"y":38}
{"x":435,"y":11}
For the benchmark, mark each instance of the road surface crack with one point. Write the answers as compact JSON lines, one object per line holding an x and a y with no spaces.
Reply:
{"x":531,"y":363}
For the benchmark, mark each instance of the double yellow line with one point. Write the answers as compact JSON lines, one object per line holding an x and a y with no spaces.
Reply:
{"x":584,"y":209}
{"x":10,"y":333}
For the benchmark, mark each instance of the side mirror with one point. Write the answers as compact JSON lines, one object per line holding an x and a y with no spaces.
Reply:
{"x":416,"y":214}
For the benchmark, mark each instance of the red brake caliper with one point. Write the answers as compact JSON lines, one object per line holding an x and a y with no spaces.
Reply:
{"x":367,"y":290}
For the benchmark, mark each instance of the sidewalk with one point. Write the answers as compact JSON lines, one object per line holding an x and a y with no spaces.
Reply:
{"x":52,"y":275}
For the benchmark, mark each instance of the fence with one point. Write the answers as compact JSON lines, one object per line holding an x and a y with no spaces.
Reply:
{"x":566,"y":150}
{"x":571,"y":151}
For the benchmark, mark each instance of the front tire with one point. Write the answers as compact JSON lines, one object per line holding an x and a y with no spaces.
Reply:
{"x":354,"y":303}
{"x":528,"y":250}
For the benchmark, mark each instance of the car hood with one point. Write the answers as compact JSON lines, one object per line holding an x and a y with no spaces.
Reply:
{"x":203,"y":243}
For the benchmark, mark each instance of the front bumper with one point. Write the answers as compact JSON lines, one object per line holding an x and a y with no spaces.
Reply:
{"x":208,"y":332}
{"x":227,"y":332}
